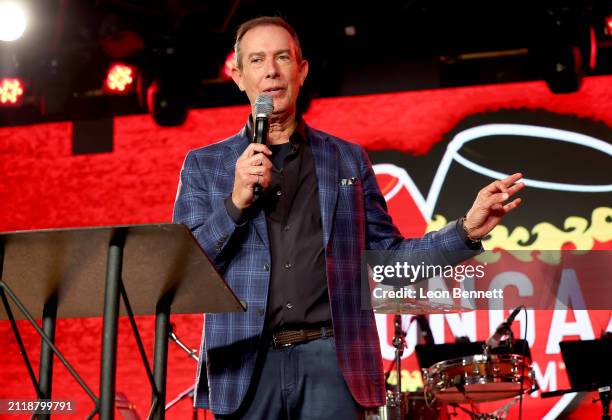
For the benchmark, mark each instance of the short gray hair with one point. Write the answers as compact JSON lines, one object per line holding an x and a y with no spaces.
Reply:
{"x":266,"y":21}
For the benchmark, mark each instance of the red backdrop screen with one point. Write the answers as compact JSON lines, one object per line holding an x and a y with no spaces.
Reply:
{"x":426,"y":168}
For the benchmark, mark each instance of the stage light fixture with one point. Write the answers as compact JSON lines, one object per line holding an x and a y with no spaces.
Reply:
{"x":120,"y":78}
{"x":119,"y":37}
{"x":11,"y":91}
{"x":166,"y":101}
{"x":567,"y":48}
{"x":13,"y":21}
{"x":609,"y":25}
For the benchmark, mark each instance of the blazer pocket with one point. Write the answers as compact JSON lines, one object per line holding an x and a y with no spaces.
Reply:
{"x":350,"y":196}
{"x":349,"y":182}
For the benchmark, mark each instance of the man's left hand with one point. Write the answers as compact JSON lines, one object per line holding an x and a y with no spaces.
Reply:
{"x":489,"y":208}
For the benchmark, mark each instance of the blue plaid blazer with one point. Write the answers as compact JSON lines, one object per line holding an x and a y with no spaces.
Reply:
{"x":354,"y":219}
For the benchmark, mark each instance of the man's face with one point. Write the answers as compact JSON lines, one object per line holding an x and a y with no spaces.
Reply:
{"x":270,"y":67}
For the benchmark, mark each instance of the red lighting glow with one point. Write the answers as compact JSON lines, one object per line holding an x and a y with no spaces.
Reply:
{"x":593,"y":52}
{"x":11,"y":91}
{"x":609,"y":25}
{"x":230,"y":61}
{"x":120,"y":78}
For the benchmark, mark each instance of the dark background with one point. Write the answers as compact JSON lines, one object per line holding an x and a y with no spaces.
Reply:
{"x":354,"y":48}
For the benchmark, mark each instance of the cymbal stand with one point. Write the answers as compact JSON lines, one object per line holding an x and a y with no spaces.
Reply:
{"x":189,"y":392}
{"x":399,"y":342}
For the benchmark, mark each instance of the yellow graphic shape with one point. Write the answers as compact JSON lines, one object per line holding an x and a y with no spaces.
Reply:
{"x":577,"y":231}
{"x":411,"y":380}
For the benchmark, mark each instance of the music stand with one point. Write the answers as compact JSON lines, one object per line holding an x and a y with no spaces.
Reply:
{"x":84,"y":272}
{"x":589,"y":368}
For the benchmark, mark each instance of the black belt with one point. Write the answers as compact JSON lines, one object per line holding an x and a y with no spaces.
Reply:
{"x":286,"y":338}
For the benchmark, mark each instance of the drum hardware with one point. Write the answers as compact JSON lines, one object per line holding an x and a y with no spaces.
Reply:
{"x":406,"y":405}
{"x":410,"y":406}
{"x":399,"y":342}
{"x":455,"y":376}
{"x":503,"y":330}
{"x":192,"y":353}
{"x":499,"y":414}
{"x":394,"y":406}
{"x":125,"y":407}
{"x":479,"y":378}
{"x":489,"y":384}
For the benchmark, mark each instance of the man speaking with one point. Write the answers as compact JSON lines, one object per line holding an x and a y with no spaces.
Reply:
{"x":286,"y":223}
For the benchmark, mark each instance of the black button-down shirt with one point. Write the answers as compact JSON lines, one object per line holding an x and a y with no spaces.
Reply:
{"x":298,"y":295}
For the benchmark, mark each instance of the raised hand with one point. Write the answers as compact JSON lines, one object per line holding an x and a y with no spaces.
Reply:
{"x":489,"y":208}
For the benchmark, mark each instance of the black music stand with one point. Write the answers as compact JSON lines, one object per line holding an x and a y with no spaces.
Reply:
{"x":73,"y":273}
{"x":589,"y":368}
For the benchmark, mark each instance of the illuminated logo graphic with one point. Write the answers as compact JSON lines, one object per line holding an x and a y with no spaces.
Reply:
{"x":452,"y":153}
{"x":577,"y":230}
{"x":417,"y":209}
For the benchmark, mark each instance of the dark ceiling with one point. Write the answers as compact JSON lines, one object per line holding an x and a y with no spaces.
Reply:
{"x":353,"y":47}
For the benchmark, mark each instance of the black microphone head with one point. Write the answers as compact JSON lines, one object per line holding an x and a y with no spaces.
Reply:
{"x":514,"y":313}
{"x":263,"y":105}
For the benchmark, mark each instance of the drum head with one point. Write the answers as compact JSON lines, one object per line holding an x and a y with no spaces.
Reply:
{"x":481,"y":392}
{"x":480,"y":378}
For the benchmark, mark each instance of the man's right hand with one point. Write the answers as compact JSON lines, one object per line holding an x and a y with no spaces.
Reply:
{"x":252,"y":167}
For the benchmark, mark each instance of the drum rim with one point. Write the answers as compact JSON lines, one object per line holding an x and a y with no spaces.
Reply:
{"x":468,"y":380}
{"x":480,"y":358}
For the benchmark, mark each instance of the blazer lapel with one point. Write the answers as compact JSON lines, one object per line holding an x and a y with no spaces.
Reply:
{"x":326,"y":167}
{"x":236,"y":148}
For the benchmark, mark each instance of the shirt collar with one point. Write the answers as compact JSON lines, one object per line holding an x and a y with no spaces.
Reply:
{"x":298,"y":136}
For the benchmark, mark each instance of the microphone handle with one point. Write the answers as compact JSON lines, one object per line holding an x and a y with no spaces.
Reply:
{"x":260,"y":135}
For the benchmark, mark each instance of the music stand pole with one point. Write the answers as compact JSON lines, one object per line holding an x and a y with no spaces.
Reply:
{"x":160,"y":357}
{"x":108,"y":370}
{"x":604,"y":397}
{"x":45,"y":371}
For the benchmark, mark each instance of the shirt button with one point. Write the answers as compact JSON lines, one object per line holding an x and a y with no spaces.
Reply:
{"x":267,"y":267}
{"x":279,"y":193}
{"x":287,"y":265}
{"x":286,"y":228}
{"x":289,"y":305}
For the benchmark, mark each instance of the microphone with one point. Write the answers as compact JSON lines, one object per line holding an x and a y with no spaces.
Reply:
{"x":262,"y":109}
{"x":503,"y":328}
